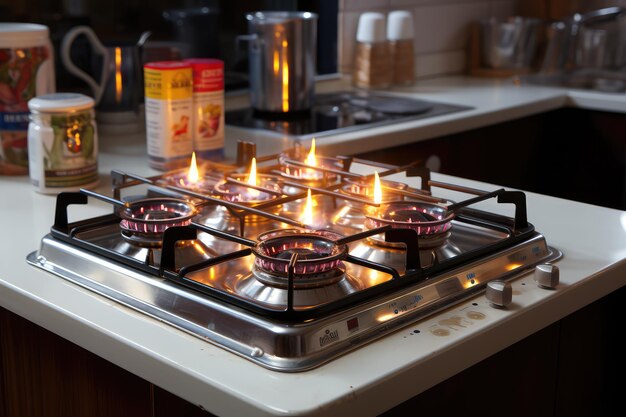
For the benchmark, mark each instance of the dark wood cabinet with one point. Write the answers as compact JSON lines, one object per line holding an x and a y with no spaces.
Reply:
{"x":570,"y":153}
{"x":43,"y":374}
{"x":570,"y":368}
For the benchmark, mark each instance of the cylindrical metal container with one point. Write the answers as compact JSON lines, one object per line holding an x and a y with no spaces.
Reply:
{"x":282,"y":55}
{"x":62,"y":143}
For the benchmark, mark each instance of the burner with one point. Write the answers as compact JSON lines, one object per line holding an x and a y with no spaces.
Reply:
{"x":144,"y":221}
{"x":424,"y":218}
{"x":202,"y":183}
{"x":239,"y":193}
{"x":365,"y":189}
{"x":319,"y":257}
{"x":311,"y":175}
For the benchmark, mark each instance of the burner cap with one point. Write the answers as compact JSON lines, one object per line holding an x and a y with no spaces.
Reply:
{"x":144,"y":221}
{"x":230,"y":191}
{"x":310,"y":174}
{"x":425,"y":218}
{"x":316,"y":249}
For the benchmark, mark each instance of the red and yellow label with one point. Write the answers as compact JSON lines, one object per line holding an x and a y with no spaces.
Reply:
{"x":168,"y":83}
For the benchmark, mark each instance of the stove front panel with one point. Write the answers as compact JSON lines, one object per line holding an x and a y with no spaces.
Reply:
{"x":281,"y":346}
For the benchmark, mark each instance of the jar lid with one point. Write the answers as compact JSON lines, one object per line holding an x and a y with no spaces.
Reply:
{"x":167,"y":65}
{"x":399,"y":25}
{"x":60,"y":103}
{"x":371,"y":28}
{"x":208,"y":74}
{"x":22,"y":35}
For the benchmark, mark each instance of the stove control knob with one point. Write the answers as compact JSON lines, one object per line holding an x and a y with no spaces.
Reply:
{"x":500,"y":293}
{"x":547,"y":276}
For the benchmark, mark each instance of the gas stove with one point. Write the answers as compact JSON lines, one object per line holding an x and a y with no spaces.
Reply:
{"x":290,"y":260}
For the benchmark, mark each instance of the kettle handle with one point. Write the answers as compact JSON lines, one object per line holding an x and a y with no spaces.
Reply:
{"x":68,"y":39}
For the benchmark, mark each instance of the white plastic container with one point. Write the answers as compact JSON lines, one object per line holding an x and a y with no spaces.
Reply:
{"x":26,"y":70}
{"x":62,"y":143}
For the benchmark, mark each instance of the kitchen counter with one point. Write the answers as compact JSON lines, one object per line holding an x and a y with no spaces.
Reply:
{"x":361,"y":382}
{"x":492,"y":100}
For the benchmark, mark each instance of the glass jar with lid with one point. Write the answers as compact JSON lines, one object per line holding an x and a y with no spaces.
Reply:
{"x":62,"y":143}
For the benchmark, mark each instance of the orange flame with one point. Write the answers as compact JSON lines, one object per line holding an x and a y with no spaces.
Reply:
{"x":307,"y":213}
{"x":378,"y":190}
{"x":252,"y":178}
{"x":285,"y":77}
{"x":118,"y":75}
{"x":193,"y":176}
{"x":276,"y":59}
{"x":311,"y":159}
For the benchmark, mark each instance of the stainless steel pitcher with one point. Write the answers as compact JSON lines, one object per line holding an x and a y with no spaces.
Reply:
{"x":282,"y":57}
{"x":119,"y":92}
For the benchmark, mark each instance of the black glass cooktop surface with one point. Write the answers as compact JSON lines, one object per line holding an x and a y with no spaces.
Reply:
{"x":342,"y":112}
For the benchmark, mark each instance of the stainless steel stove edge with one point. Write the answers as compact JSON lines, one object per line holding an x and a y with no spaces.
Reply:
{"x":283,"y":346}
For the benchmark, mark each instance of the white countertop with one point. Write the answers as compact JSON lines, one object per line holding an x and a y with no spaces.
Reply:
{"x":492,"y":101}
{"x":355,"y":384}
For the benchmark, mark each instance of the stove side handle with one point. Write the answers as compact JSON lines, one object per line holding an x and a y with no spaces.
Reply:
{"x":64,"y":200}
{"x":519,"y":199}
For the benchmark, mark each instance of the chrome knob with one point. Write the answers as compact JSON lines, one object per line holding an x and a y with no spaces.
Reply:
{"x":499,"y":293}
{"x":547,"y":276}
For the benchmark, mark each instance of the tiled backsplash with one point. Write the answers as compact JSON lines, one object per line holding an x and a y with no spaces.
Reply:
{"x":441,"y":29}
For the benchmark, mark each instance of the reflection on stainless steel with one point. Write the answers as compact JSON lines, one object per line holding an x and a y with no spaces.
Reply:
{"x":111,"y":238}
{"x":282,"y":55}
{"x":252,"y":287}
{"x":233,"y":329}
{"x":249,"y":278}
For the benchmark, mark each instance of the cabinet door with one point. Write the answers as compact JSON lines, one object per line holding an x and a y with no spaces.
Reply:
{"x":44,"y":375}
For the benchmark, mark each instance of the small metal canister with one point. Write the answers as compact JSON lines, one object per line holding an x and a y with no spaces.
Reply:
{"x":62,"y":143}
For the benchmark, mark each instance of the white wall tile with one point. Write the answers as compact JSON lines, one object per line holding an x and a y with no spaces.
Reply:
{"x":451,"y":62}
{"x":409,"y":3}
{"x":347,"y":28}
{"x":441,"y":29}
{"x":364,"y":5}
{"x":445,"y":27}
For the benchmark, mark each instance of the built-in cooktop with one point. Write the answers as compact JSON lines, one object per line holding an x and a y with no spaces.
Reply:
{"x":342,"y":112}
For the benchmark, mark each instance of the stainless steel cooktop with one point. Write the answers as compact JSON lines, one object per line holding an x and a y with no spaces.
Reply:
{"x":241,"y":265}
